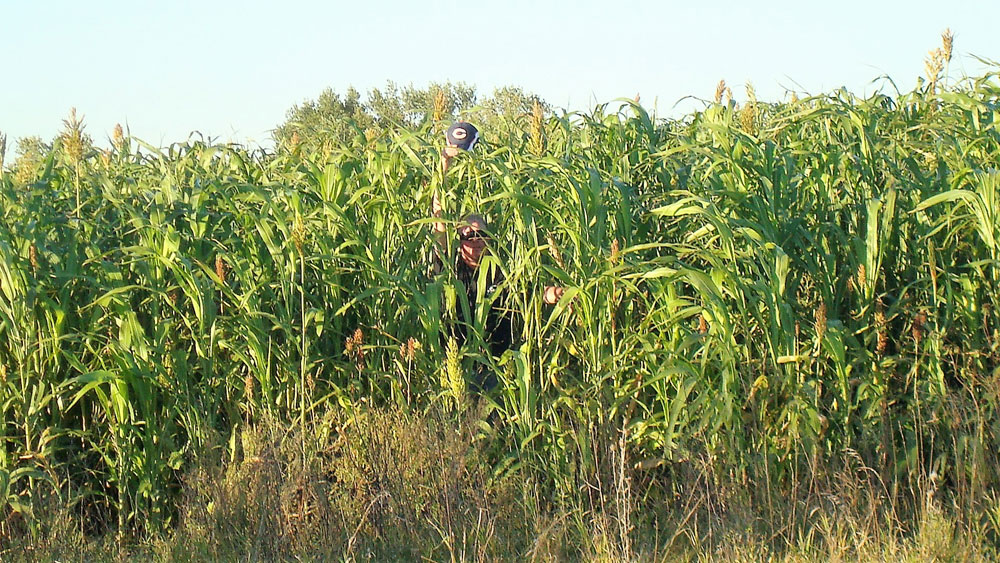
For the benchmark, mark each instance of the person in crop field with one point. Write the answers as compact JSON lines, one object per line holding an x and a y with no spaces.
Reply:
{"x":474,"y":240}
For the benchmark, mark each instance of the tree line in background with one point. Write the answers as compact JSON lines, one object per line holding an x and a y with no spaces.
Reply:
{"x":339,"y":119}
{"x":333,"y":118}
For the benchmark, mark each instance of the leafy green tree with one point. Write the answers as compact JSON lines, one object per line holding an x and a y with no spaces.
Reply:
{"x":446,"y":100}
{"x":511,"y":102}
{"x":334,"y":118}
{"x":507,"y":113}
{"x":386,"y":105}
{"x":31,"y":151}
{"x":329,"y":116}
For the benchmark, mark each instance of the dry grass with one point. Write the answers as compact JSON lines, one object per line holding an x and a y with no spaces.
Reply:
{"x":379,"y":484}
{"x":386,"y":485}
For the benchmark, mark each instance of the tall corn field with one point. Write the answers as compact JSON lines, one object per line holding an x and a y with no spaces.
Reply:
{"x":749,"y":302}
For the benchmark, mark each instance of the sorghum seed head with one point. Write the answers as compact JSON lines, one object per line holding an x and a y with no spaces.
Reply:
{"x":917,"y":329}
{"x":440,"y":103}
{"x":947,"y":43}
{"x":819,"y":315}
{"x":72,"y":136}
{"x":248,"y":386}
{"x":720,"y":89}
{"x":881,"y":339}
{"x":412,"y":345}
{"x":453,"y":378}
{"x":554,"y":250}
{"x":408,"y":349}
{"x":220,"y":268}
{"x":299,"y":234}
{"x":355,"y":347}
{"x":117,"y":136}
{"x":933,"y":65}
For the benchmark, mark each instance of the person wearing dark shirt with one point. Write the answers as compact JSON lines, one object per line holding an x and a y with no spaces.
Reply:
{"x":474,"y":240}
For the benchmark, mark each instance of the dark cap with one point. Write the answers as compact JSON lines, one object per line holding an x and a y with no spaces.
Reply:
{"x":462,"y":135}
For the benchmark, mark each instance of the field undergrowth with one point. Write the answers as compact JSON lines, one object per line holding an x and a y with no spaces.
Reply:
{"x":778,"y":339}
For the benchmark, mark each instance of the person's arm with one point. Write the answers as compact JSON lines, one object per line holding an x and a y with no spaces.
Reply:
{"x":447,"y":153}
{"x":439,"y":227}
{"x":439,"y":232}
{"x":552,"y":294}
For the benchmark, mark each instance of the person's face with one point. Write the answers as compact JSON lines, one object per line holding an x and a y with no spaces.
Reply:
{"x":472,"y":240}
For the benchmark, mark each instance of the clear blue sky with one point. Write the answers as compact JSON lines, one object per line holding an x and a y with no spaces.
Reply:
{"x":231,"y":69}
